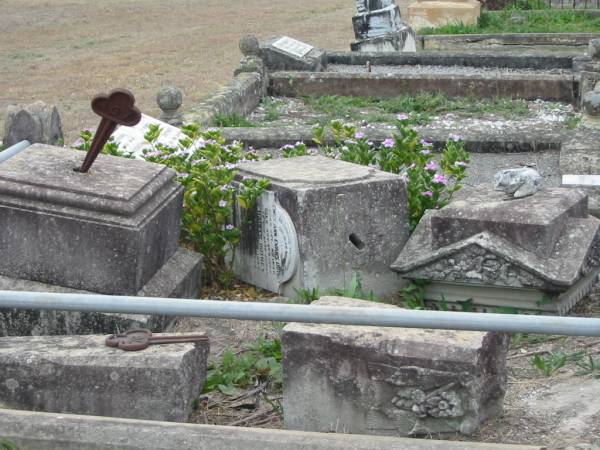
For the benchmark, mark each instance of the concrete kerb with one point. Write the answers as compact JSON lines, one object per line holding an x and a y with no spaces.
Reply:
{"x":452,"y":41}
{"x":50,"y":431}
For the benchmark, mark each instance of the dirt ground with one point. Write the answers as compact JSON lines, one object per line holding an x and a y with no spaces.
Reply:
{"x":66,"y":51}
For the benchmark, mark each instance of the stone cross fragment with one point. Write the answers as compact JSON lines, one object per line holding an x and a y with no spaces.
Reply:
{"x":116,"y":108}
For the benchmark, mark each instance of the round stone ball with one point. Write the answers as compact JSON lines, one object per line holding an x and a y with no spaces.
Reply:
{"x":591,"y":103}
{"x":594,"y":48}
{"x":249,"y":45}
{"x":169,"y":98}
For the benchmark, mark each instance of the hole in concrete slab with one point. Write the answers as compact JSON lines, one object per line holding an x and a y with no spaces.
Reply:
{"x":356,"y":241}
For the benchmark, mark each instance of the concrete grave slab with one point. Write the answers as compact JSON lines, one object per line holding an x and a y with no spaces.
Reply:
{"x":534,"y":253}
{"x":44,"y":431}
{"x":390,"y":381}
{"x":321,"y":221}
{"x":107,"y":231}
{"x":79,"y":374}
{"x":286,"y":53}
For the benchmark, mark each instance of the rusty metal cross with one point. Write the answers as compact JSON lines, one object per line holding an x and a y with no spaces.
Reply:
{"x":116,"y":108}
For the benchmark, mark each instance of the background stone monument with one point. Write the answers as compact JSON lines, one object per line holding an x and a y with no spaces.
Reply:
{"x":379,"y":27}
{"x":36,"y":123}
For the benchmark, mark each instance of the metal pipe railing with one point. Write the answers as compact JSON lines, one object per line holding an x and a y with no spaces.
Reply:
{"x":14,"y":150}
{"x":381,"y":317}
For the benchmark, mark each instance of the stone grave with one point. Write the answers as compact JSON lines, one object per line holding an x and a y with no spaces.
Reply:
{"x":536,"y":253}
{"x":286,"y":53}
{"x":437,"y":13}
{"x":378,"y":27}
{"x":390,"y":381}
{"x":36,"y":123}
{"x":114,"y":230}
{"x":322,"y":221}
{"x":81,"y":375}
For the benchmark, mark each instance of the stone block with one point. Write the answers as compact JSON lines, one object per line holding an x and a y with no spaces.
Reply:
{"x":286,"y":53}
{"x":539,"y":253}
{"x":390,"y":381}
{"x":432,"y":14}
{"x":36,"y":123}
{"x":321,"y":221}
{"x":107,"y":231}
{"x":79,"y":374}
{"x":397,"y":41}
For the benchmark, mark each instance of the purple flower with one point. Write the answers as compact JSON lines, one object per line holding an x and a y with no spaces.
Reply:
{"x":460,"y":164}
{"x":438,"y":178}
{"x":402,"y":117}
{"x":230,"y":166}
{"x":388,"y":143}
{"x":424,"y":143}
{"x":431,"y":165}
{"x":455,"y":137}
{"x":359,"y":135}
{"x":222,"y":203}
{"x":370,"y":143}
{"x":224,"y":188}
{"x":425,"y":152}
{"x":229,"y":226}
{"x":427,"y":194}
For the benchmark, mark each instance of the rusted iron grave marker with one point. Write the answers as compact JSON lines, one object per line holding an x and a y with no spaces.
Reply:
{"x":140,"y":339}
{"x":116,"y":108}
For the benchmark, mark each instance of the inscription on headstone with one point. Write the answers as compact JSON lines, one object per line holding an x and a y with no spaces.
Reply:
{"x":292,"y":46}
{"x":268,"y":255}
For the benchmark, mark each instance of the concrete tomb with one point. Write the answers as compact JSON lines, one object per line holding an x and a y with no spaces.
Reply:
{"x":286,"y":53}
{"x":81,"y":375}
{"x":321,"y":221}
{"x":114,"y":230}
{"x":379,"y":27}
{"x":390,"y":381}
{"x":536,"y":253}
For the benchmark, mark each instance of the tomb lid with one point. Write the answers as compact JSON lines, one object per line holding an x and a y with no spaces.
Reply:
{"x":533,"y":223}
{"x":115,"y":185}
{"x":308,"y":170}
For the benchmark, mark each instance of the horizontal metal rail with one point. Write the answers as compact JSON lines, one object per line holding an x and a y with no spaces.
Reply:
{"x":14,"y":150}
{"x":373,"y":316}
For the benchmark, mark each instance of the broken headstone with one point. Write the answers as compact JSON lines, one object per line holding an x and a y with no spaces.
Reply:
{"x":519,"y":182}
{"x":286,"y":53}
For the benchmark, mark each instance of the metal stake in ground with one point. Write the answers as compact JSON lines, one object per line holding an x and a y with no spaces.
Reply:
{"x":116,"y":108}
{"x":140,"y":338}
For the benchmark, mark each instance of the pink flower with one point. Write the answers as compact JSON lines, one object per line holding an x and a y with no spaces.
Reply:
{"x":425,"y":152}
{"x":402,"y":117}
{"x":222,"y":203}
{"x":455,"y":137}
{"x":438,"y":178}
{"x":424,"y":143}
{"x":359,"y":135}
{"x":388,"y":143}
{"x":460,"y":164}
{"x":431,"y":165}
{"x":427,"y":194}
{"x":229,"y":226}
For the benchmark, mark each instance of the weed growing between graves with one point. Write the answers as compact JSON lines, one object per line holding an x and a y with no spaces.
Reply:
{"x":554,"y":360}
{"x":232,"y":121}
{"x":110,"y":148}
{"x":7,"y":445}
{"x":271,"y":106}
{"x":430,"y":184}
{"x":419,"y":107}
{"x":544,"y":21}
{"x":206,"y":169}
{"x":261,"y":363}
{"x":306,"y":296}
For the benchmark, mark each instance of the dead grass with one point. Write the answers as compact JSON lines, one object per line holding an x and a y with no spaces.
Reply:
{"x":66,"y":51}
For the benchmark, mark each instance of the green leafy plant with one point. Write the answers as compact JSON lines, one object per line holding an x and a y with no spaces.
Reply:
{"x":232,"y":121}
{"x":298,"y":149}
{"x":430,"y":184}
{"x":206,"y":169}
{"x":589,"y":366}
{"x":414,"y":295}
{"x":550,"y":363}
{"x":271,"y":107}
{"x":110,"y":148}
{"x":260,"y":363}
{"x":307,"y":296}
{"x":354,"y":289}
{"x":7,"y":445}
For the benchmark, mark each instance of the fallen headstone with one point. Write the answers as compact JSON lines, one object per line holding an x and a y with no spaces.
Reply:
{"x":519,"y":182}
{"x":321,"y":222}
{"x":390,"y":381}
{"x":81,"y":375}
{"x":286,"y":53}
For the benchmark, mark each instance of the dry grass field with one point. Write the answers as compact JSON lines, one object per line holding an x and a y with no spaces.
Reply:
{"x":66,"y":51}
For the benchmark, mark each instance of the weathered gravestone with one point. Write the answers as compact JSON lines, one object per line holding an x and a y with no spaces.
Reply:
{"x":36,"y":123}
{"x":379,"y":27}
{"x":390,"y":381}
{"x":286,"y":53}
{"x":538,"y":253}
{"x":322,"y":221}
{"x":81,"y":375}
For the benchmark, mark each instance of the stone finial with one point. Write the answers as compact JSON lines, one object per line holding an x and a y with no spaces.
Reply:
{"x":249,"y":45}
{"x":518,"y":183}
{"x":37,"y":123}
{"x":594,"y":48}
{"x":169,"y":100}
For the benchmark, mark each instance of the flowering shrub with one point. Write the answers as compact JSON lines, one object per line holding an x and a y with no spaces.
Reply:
{"x":430,"y":183}
{"x":110,"y":148}
{"x":298,"y":149}
{"x":206,"y":169}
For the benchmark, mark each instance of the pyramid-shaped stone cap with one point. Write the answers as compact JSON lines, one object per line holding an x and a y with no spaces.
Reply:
{"x":492,"y":246}
{"x":533,"y":223}
{"x":118,"y":186}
